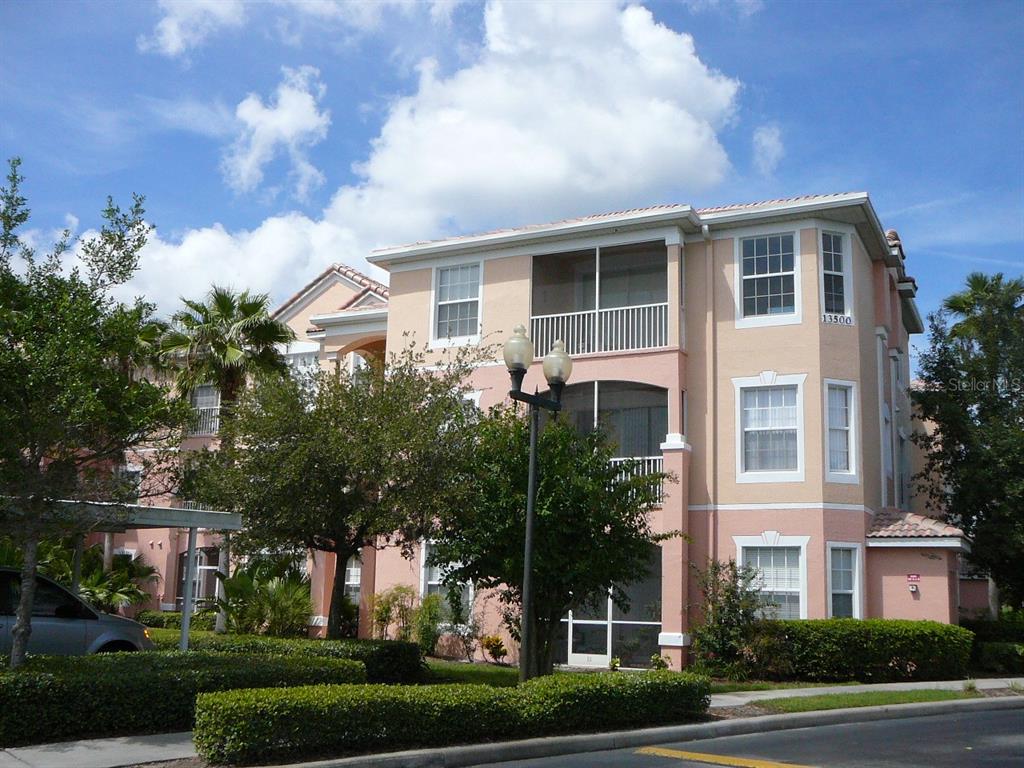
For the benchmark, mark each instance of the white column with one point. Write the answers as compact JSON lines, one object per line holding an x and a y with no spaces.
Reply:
{"x":190,"y":575}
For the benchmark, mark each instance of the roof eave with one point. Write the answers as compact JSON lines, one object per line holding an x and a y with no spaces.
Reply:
{"x":385,"y":257}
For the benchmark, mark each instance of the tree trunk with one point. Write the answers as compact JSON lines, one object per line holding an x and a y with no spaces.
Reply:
{"x":336,"y":613}
{"x":23,"y":624}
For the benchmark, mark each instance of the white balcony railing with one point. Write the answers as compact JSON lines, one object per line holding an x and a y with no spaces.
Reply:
{"x":644,"y":465}
{"x":602,"y":330}
{"x":207,"y":421}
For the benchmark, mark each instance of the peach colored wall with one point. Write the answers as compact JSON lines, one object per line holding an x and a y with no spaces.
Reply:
{"x":329,"y":301}
{"x":889,"y":595}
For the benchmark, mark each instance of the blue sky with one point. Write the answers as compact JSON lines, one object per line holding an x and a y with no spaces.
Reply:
{"x":273,"y":139}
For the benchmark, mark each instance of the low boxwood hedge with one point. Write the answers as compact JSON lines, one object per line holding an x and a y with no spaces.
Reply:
{"x":868,"y":650}
{"x":58,"y":698}
{"x":1001,"y":658}
{"x":172,"y":619}
{"x":286,"y":725}
{"x":386,"y":661}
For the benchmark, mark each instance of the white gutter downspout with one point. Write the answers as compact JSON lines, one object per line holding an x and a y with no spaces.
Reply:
{"x":711,"y":340}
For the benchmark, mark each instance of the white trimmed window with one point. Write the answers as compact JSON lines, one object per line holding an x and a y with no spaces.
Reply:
{"x":457,"y":302}
{"x":353,"y":578}
{"x":432,"y":582}
{"x":769,"y":440}
{"x":780,"y":580}
{"x":833,"y":274}
{"x":843,"y":580}
{"x":769,"y":280}
{"x":840,"y":421}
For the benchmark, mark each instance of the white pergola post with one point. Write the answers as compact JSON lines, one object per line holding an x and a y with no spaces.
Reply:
{"x":190,"y":575}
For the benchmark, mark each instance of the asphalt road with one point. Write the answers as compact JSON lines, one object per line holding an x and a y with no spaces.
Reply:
{"x":965,"y":740}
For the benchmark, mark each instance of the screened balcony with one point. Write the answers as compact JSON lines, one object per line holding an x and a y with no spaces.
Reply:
{"x":601,"y":299}
{"x":205,"y":410}
{"x":635,"y":416}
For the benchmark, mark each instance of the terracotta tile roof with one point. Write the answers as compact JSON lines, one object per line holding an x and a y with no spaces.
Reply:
{"x":354,"y":275}
{"x":895,"y":524}
{"x":362,"y":295}
{"x":662,"y":208}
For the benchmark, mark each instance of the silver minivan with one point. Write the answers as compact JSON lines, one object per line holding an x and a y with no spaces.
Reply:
{"x":63,"y":624}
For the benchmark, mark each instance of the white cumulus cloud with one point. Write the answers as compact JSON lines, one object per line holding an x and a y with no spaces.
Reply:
{"x":567,"y":108}
{"x":290,"y":123}
{"x":768,"y":149}
{"x":185,"y":24}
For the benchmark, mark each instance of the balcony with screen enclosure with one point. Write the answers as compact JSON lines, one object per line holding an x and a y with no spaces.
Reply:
{"x":634,"y":415}
{"x":205,"y":410}
{"x":607,"y":299}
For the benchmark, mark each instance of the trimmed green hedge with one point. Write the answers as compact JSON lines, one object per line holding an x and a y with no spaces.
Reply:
{"x":386,"y":661}
{"x":288,"y":725}
{"x":1001,"y":658}
{"x":868,"y":650}
{"x":172,"y":619}
{"x":55,"y":698}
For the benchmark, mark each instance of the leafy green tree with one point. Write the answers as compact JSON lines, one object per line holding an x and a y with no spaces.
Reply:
{"x":592,"y":533}
{"x":972,"y":398}
{"x":335,"y":462}
{"x":74,"y":396}
{"x":730,"y":599}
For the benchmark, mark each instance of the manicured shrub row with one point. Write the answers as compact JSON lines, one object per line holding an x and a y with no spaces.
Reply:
{"x":288,"y":725}
{"x":386,"y":661}
{"x":868,"y":650}
{"x":59,"y":698}
{"x":1001,"y":658}
{"x":172,"y":619}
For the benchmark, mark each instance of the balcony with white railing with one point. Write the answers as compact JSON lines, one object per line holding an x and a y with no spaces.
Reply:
{"x":641,"y":466}
{"x":618,"y":329}
{"x":609,"y":299}
{"x":207,"y":421}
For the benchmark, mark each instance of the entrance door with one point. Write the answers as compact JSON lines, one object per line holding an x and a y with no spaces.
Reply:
{"x":589,"y":641}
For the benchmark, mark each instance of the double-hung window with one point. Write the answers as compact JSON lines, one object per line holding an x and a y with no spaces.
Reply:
{"x":768,"y":276}
{"x":353,"y":579}
{"x":833,"y":276}
{"x":843,"y":566}
{"x":839,"y":425}
{"x":770,"y":429}
{"x":779,"y":568}
{"x":433,"y":581}
{"x":457,"y":304}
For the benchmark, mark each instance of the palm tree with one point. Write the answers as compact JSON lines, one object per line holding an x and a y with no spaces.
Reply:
{"x":985,"y":298}
{"x":224,"y":340}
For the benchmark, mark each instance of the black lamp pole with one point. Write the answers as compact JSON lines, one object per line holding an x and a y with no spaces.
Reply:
{"x":557,"y":367}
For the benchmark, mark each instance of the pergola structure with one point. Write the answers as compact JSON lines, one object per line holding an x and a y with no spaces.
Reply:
{"x":137,"y":516}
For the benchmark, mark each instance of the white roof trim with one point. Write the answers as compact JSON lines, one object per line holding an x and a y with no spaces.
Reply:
{"x":385,"y":256}
{"x":940,"y":542}
{"x":314,"y":290}
{"x":346,"y":316}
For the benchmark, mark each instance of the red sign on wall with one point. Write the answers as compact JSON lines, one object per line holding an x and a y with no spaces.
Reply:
{"x":913,"y":577}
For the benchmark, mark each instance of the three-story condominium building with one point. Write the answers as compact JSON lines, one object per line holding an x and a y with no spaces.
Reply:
{"x":757,"y":352}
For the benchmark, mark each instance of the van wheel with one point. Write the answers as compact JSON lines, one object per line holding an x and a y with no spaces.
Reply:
{"x":117,"y":647}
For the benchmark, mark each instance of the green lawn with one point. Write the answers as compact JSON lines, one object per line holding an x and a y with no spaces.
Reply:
{"x":868,"y":699}
{"x":728,"y":686}
{"x":482,"y":674}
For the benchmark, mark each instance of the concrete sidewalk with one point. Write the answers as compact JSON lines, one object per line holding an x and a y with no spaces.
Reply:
{"x":132,"y":750}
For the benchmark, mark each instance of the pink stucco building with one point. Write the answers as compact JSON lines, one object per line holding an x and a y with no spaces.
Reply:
{"x":757,"y":352}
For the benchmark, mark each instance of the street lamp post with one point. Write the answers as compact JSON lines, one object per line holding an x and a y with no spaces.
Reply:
{"x":518,"y":353}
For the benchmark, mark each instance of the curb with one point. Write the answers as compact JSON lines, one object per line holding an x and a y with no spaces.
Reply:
{"x":499,"y":752}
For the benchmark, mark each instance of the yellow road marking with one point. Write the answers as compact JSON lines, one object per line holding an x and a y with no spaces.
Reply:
{"x":703,"y":757}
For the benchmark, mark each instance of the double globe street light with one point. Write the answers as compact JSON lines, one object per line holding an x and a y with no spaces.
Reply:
{"x":518,"y":353}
